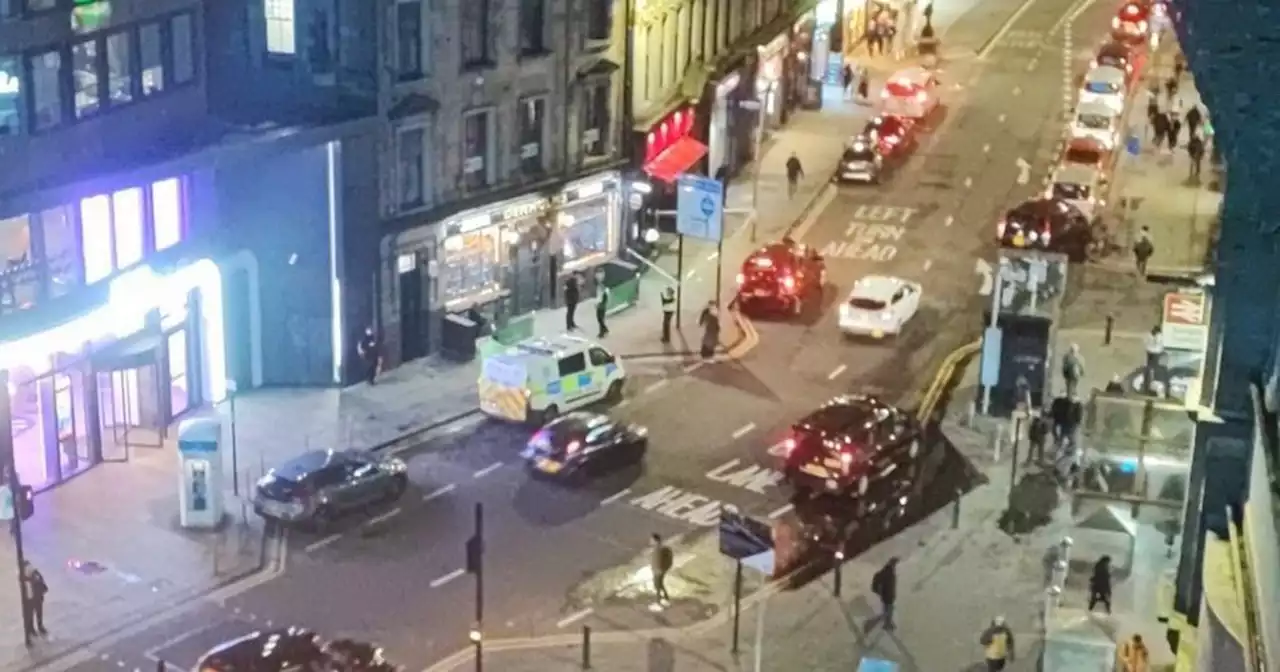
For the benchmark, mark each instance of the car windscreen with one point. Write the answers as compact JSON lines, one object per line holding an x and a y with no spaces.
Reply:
{"x":1070,"y":192}
{"x":1102,"y":87}
{"x":1112,"y":60}
{"x":864,"y":303}
{"x":1086,"y":156}
{"x":863,"y":154}
{"x":1097,"y":122}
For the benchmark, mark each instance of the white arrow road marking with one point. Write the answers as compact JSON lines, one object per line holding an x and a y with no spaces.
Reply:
{"x":744,"y":430}
{"x":836,"y":373}
{"x":448,"y":577}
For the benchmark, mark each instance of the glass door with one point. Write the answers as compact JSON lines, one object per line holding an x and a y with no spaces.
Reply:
{"x":73,"y":444}
{"x":179,"y":384}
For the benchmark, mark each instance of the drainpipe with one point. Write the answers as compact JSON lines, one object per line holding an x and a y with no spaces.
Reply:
{"x":570,"y":51}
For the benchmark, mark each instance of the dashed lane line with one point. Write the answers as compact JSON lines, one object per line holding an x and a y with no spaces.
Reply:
{"x":654,"y":387}
{"x":615,"y":497}
{"x":574,"y":617}
{"x":439,"y":492}
{"x":744,"y":430}
{"x":693,"y":367}
{"x":488,"y":470}
{"x":928,"y":264}
{"x":781,"y":511}
{"x":949,"y":220}
{"x":836,"y":373}
{"x":317,"y":545}
{"x":436,"y":583}
{"x":382,"y":517}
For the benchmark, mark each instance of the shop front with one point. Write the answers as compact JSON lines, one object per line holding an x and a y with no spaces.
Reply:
{"x":670,"y":147}
{"x":116,"y":377}
{"x":770,"y":83}
{"x":830,"y":33}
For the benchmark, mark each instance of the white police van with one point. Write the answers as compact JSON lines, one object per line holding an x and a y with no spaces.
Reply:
{"x":540,"y":378}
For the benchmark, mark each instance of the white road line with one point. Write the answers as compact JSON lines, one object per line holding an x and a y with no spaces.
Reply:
{"x":949,"y":221}
{"x":382,"y":518}
{"x":615,"y":496}
{"x":317,"y":545}
{"x":836,"y":373}
{"x":693,"y":367}
{"x":928,"y":264}
{"x":968,"y":182}
{"x":781,"y":511}
{"x":690,"y":274}
{"x":1001,"y":118}
{"x":574,"y":617}
{"x":986,"y":148}
{"x":439,"y":492}
{"x":1004,"y":29}
{"x":447,"y":578}
{"x":1017,"y":90}
{"x":488,"y":470}
{"x":712,"y":256}
{"x":654,"y":387}
{"x":744,"y":430}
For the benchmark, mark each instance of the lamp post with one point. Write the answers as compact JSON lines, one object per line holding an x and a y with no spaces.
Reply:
{"x":235,"y":454}
{"x":15,"y":492}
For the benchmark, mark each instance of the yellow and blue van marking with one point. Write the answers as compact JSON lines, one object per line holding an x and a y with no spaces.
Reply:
{"x":503,"y":400}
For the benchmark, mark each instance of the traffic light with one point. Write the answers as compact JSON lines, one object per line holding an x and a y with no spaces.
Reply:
{"x":26,"y":502}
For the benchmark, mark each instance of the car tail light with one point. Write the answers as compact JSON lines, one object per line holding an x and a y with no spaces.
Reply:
{"x":788,"y":446}
{"x":921,"y":97}
{"x":789,"y":283}
{"x":846,"y":461}
{"x":1130,"y":10}
{"x":741,"y":278}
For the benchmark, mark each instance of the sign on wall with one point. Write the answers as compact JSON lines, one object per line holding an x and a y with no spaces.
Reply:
{"x":1185,"y":321}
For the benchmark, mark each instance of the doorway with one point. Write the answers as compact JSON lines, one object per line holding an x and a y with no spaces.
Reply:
{"x":131,"y":411}
{"x":415,"y":342}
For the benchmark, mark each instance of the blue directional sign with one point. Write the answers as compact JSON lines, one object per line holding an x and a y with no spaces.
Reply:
{"x":1133,"y":145}
{"x":699,"y":207}
{"x":743,"y":536}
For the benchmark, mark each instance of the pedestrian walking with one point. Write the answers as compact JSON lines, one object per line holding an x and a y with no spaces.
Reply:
{"x":1195,"y":152}
{"x":846,"y":77}
{"x":369,"y":348}
{"x":1153,"y":343}
{"x":709,"y":320}
{"x":1066,"y":414}
{"x":1159,"y":128}
{"x":668,"y":312}
{"x":34,"y":591}
{"x":1134,"y":656}
{"x":1100,"y":584}
{"x":864,"y":87}
{"x":1195,"y":119}
{"x":1072,"y":369}
{"x":1037,"y":434}
{"x":1175,"y":129}
{"x":1171,"y":88}
{"x":997,"y":644}
{"x":1153,"y":108}
{"x":660,"y":561}
{"x":572,"y":293}
{"x":1179,"y":66}
{"x":1143,"y":248}
{"x":885,"y":586}
{"x":795,"y":172}
{"x":1175,"y":107}
{"x":602,"y":309}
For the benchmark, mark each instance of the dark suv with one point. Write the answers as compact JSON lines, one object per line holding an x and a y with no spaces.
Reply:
{"x":783,"y":277}
{"x":847,"y":444}
{"x":317,"y":487}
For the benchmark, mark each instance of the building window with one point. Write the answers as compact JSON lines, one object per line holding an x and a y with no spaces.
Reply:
{"x":19,"y":282}
{"x":184,"y":65}
{"x":409,"y":40}
{"x":95,"y":230}
{"x":475,"y":33}
{"x":127,"y":226}
{"x":281,"y":35}
{"x":61,"y":249}
{"x":167,"y":216}
{"x":477,"y":146}
{"x":533,"y":27}
{"x":595,"y":120}
{"x":151,"y":58}
{"x":84,"y":73}
{"x":119,"y":69}
{"x":532,"y":136}
{"x":34,"y":6}
{"x":46,"y":89}
{"x":599,"y":19}
{"x":10,"y":96}
{"x":411,"y":158}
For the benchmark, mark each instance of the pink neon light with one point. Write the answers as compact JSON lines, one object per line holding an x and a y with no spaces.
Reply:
{"x":95,"y":231}
{"x":126,"y":210}
{"x":166,"y":212}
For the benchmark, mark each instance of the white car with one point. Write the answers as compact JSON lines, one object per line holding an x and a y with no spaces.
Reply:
{"x":1080,"y":185}
{"x":1106,"y":85}
{"x":1096,"y":121}
{"x":879,"y":306}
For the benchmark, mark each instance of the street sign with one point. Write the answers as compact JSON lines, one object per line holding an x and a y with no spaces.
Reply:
{"x":747,"y":540}
{"x":1133,"y":145}
{"x":699,"y":207}
{"x":1185,"y":321}
{"x":983,"y":267}
{"x":991,"y":342}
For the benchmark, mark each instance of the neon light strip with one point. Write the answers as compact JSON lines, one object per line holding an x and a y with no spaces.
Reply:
{"x":335,"y":287}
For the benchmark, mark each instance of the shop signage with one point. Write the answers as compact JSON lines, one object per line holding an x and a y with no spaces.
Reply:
{"x":729,"y":85}
{"x":9,"y":85}
{"x":529,"y":150}
{"x":1185,"y":323}
{"x":531,"y":208}
{"x":407,"y":262}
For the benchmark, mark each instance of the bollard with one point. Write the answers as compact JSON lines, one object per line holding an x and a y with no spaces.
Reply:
{"x":1106,"y":335}
{"x":835,"y":574}
{"x":161,"y":666}
{"x":586,"y":647}
{"x":955,"y":510}
{"x":997,"y":438}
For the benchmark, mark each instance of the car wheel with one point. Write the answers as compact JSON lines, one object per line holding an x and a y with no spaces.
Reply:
{"x":614,"y":395}
{"x":550,"y":413}
{"x":398,"y":485}
{"x":322,"y":519}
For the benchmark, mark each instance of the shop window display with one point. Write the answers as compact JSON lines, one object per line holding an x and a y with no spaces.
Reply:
{"x":167,"y":213}
{"x":95,"y":227}
{"x":127,"y":226}
{"x":84,"y":77}
{"x":584,"y":232}
{"x":471,"y":264}
{"x":19,"y":281}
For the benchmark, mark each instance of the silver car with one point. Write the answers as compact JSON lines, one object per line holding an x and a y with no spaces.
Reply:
{"x":317,"y":487}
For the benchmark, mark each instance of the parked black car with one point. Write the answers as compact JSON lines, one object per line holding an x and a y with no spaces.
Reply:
{"x":293,"y":650}
{"x":1049,"y":224}
{"x":849,"y":442}
{"x":580,"y":445}
{"x":317,"y":487}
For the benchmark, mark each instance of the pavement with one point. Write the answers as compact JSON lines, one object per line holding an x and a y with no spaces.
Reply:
{"x":559,"y":557}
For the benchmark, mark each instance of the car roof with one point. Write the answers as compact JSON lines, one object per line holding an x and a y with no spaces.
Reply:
{"x":844,"y":414}
{"x":578,"y":421}
{"x":1076,"y":173}
{"x":1095,"y":107}
{"x":310,"y":462}
{"x":1114,"y":48}
{"x":272,"y":648}
{"x":1087,"y":143}
{"x":876,"y":287}
{"x":1041,"y":209}
{"x":555,"y":347}
{"x":1105,"y":73}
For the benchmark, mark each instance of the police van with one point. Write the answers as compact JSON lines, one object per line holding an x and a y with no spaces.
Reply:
{"x":540,"y":378}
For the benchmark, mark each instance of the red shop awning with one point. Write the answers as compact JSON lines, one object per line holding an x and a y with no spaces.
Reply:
{"x":676,"y":159}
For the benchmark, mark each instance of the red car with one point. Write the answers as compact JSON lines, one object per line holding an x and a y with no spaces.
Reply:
{"x":783,"y":277}
{"x":1122,"y":56}
{"x":1132,"y":24}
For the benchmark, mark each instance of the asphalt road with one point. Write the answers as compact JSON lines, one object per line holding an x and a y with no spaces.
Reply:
{"x":395,"y":578}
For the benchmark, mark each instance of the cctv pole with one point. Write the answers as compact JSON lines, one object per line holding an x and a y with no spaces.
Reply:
{"x":235,"y":454}
{"x":724,"y":198}
{"x":15,"y":493}
{"x":679,"y":277}
{"x":475,"y":565}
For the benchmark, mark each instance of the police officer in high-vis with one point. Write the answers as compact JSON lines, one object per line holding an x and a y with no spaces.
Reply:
{"x":668,"y":312}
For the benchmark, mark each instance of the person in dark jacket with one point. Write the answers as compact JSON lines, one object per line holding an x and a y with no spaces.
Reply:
{"x":1194,"y":119}
{"x":1195,"y":152}
{"x":572,"y":294}
{"x":602,"y":310}
{"x":1175,"y":129}
{"x":885,"y":586}
{"x":997,"y":644}
{"x":1037,"y":434}
{"x":370,"y":350}
{"x":1066,"y":413}
{"x":668,"y":312}
{"x":661,"y":560}
{"x":795,"y":172}
{"x":1100,"y":584}
{"x":34,"y":591}
{"x":846,"y":79}
{"x":1160,"y":129}
{"x":709,"y":320}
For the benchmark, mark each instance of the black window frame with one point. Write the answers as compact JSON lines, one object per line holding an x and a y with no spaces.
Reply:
{"x":418,"y":71}
{"x":565,"y":364}
{"x":486,"y":125}
{"x":17,"y":65}
{"x":475,"y":20}
{"x":536,"y":165}
{"x":596,"y":115}
{"x":422,"y":167}
{"x":532,"y":28}
{"x":599,"y":20}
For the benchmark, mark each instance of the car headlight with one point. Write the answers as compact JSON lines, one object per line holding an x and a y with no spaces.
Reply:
{"x":640,"y":430}
{"x":396,"y":465}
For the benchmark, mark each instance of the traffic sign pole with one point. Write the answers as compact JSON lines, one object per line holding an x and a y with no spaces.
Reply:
{"x":679,"y":277}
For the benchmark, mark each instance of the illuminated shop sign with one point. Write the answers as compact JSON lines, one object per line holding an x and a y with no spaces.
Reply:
{"x":528,"y":208}
{"x":9,"y":84}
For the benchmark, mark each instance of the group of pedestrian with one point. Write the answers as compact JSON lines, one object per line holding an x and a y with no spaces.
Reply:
{"x":573,"y":295}
{"x":881,"y":31}
{"x":1165,"y":115}
{"x":857,"y":83}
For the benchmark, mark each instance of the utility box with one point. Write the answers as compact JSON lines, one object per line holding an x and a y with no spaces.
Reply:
{"x":200,"y":473}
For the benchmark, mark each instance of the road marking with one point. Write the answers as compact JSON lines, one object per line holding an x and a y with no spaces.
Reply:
{"x":690,"y":274}
{"x":949,"y":221}
{"x":488,"y":470}
{"x":986,"y":148}
{"x":693,"y":367}
{"x":439,"y":492}
{"x":654,"y":387}
{"x":712,"y":256}
{"x":317,"y":545}
{"x":744,"y":430}
{"x":781,"y":511}
{"x":1017,"y":90}
{"x":1032,"y":65}
{"x":615,"y":496}
{"x":574,"y":617}
{"x":382,"y":518}
{"x":968,"y":182}
{"x":928,"y":264}
{"x":836,"y":373}
{"x":1001,"y":118}
{"x":447,"y":578}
